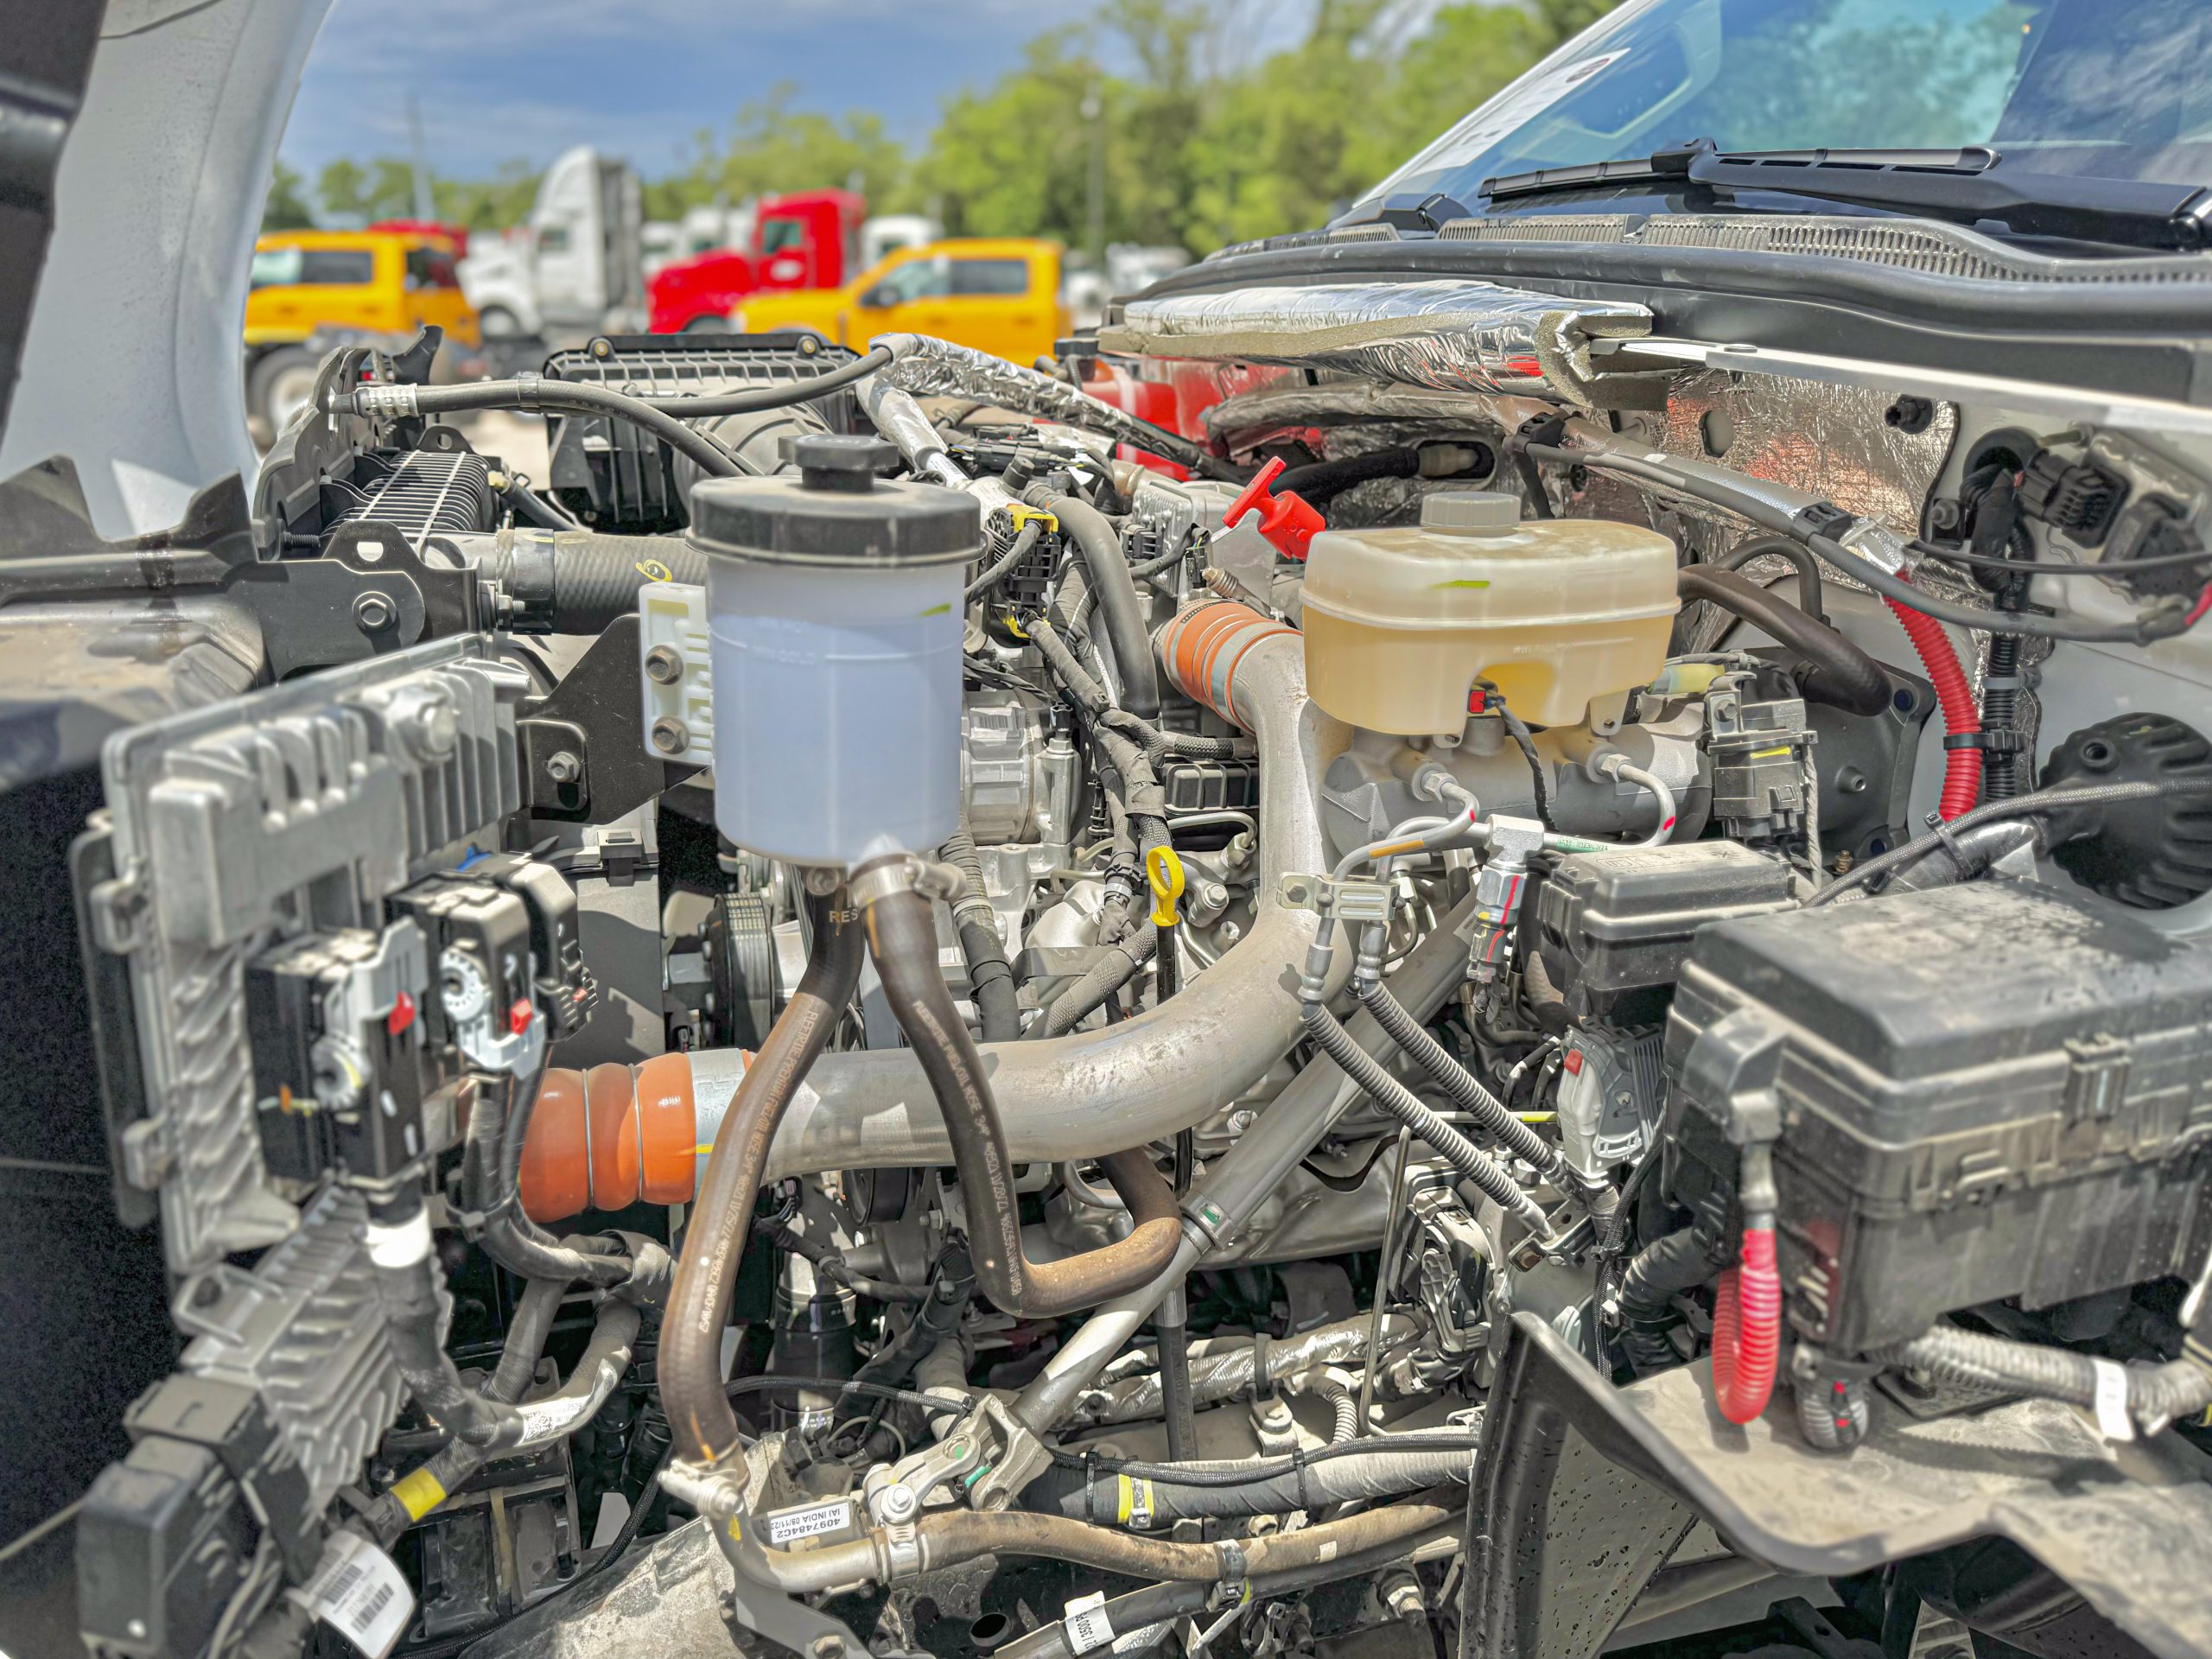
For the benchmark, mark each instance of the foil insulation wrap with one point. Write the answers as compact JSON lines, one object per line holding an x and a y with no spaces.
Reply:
{"x":929,"y":367}
{"x":1446,"y":336}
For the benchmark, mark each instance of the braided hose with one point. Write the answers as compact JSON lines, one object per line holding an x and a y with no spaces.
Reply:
{"x":2156,"y":1394}
{"x":1467,"y":1161}
{"x":1340,"y":1401}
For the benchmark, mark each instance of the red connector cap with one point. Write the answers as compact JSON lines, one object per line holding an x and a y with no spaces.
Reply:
{"x":1288,"y":520}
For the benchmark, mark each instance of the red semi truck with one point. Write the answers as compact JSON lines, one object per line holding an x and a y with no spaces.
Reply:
{"x":810,"y":238}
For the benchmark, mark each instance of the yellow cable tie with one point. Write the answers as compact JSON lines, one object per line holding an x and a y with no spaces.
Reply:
{"x":1164,"y":871}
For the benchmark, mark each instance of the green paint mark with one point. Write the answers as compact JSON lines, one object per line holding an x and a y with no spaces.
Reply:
{"x":937,"y":610}
{"x":1464,"y":582}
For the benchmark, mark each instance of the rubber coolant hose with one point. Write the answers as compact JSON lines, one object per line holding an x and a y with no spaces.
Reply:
{"x":548,"y":397}
{"x":1842,"y":674}
{"x":990,"y":976}
{"x":1800,"y":558}
{"x":1962,"y":763}
{"x":1099,"y":547}
{"x":1322,"y":481}
{"x":1661,"y":1271}
{"x":902,"y":940}
{"x":1747,"y":1330}
{"x":579,"y":580}
{"x":691,"y":1395}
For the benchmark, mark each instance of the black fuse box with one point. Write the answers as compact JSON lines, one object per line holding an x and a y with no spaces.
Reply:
{"x":1615,"y":927}
{"x":1984,"y":1092}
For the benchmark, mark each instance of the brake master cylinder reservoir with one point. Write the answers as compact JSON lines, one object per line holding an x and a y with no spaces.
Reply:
{"x":833,"y":602}
{"x":1401,"y":622}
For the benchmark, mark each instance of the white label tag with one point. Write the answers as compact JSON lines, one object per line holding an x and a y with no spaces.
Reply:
{"x":545,"y":1418}
{"x":359,"y":1592}
{"x":810,"y":1523}
{"x":2112,"y":1421}
{"x":1085,"y":1622}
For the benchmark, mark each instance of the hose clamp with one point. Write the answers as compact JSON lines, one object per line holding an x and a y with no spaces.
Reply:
{"x":905,"y":873}
{"x":378,"y":397}
{"x":902,"y":1552}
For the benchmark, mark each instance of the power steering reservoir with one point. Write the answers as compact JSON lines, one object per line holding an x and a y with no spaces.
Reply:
{"x":1401,"y":621}
{"x":833,"y":604}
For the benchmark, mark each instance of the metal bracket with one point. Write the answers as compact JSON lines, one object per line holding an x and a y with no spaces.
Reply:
{"x":991,"y":1453}
{"x":1349,"y":902}
{"x":674,"y":670}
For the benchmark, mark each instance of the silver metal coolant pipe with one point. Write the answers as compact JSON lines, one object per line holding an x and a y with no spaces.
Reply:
{"x":1093,"y":1092}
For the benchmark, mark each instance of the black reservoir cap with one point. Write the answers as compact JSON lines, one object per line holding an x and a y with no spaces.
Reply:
{"x":835,"y":513}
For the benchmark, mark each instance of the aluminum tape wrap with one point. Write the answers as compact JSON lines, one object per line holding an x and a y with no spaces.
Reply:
{"x":1448,"y":336}
{"x":929,"y":367}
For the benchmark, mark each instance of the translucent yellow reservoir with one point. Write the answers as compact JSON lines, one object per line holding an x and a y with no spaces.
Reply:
{"x":1401,"y":622}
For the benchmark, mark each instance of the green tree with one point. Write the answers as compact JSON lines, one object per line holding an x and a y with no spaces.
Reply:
{"x":286,"y":208}
{"x":490,"y":203}
{"x":773,"y":148}
{"x":343,"y":190}
{"x":1013,"y":161}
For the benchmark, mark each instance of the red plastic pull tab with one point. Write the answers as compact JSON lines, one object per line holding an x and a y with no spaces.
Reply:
{"x":1288,"y":520}
{"x":402,"y":1014}
{"x":519,"y":1016}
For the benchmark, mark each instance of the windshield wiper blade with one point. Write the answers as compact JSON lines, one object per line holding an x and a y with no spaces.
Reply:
{"x":1674,"y":164}
{"x":1964,"y":185}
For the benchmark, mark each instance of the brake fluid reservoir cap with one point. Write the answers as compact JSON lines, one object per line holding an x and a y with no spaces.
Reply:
{"x":836,"y":512}
{"x":1471,"y":513}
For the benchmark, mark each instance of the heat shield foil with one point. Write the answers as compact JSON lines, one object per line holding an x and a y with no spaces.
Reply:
{"x":929,"y":367}
{"x":1448,"y":336}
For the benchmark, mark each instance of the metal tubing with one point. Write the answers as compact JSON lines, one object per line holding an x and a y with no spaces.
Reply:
{"x":1241,"y":1180}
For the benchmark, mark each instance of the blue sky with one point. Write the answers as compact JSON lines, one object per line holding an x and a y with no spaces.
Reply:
{"x":503,"y":78}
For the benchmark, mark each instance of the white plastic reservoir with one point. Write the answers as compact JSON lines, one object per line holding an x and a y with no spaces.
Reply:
{"x":834,"y":609}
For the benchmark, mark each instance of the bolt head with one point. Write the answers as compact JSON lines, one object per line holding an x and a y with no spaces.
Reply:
{"x":434,"y":732}
{"x":374,"y":612}
{"x":826,"y":1647}
{"x":898,"y":1504}
{"x":664,"y":665}
{"x":564,"y":768}
{"x":670,"y":736}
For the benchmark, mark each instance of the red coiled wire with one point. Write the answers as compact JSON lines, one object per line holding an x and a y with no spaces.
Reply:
{"x":1962,"y":766}
{"x":1747,"y":1330}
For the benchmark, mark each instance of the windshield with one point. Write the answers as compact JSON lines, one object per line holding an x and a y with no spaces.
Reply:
{"x":2119,"y":89}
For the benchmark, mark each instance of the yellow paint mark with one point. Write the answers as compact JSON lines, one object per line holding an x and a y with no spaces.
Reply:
{"x":419,"y":1493}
